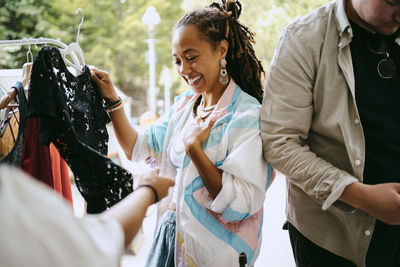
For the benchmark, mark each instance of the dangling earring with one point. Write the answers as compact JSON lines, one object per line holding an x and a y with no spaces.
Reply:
{"x":223,"y":74}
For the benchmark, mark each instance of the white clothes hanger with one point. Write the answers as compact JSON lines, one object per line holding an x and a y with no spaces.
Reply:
{"x":28,"y":41}
{"x":27,"y":67}
{"x":75,"y":49}
{"x":40,"y":40}
{"x":46,"y":41}
{"x":12,"y":93}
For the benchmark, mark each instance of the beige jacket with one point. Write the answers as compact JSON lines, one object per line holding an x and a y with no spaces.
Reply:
{"x":312,"y":133}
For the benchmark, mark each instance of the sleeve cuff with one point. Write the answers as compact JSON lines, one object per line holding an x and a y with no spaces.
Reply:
{"x":138,"y":151}
{"x":225,"y":196}
{"x":337,"y":192}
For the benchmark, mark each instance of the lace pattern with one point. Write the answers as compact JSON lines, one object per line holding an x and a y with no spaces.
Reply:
{"x":72,"y":116}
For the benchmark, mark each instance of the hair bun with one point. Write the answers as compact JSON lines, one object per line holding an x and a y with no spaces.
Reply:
{"x":230,"y":8}
{"x":233,"y":7}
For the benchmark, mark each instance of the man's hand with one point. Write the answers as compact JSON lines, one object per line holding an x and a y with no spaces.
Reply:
{"x":381,"y":201}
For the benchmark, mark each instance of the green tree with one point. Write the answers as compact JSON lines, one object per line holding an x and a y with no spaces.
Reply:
{"x":114,"y":38}
{"x":18,"y":20}
{"x":267,"y":19}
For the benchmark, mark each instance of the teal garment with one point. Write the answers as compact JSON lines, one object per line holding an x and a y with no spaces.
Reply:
{"x":205,"y":235}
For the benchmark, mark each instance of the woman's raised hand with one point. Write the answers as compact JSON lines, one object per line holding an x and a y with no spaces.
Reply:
{"x":103,"y":81}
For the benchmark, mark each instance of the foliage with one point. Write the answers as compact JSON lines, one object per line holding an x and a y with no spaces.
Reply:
{"x":113,"y":37}
{"x":267,"y":18}
{"x":19,"y":19}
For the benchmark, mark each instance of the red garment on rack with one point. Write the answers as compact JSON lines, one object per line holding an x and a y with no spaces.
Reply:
{"x":44,"y":162}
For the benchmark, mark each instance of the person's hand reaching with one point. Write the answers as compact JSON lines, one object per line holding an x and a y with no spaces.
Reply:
{"x":153,"y":180}
{"x":106,"y":87}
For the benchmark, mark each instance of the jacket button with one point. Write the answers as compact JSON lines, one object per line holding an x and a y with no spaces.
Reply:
{"x":357,"y":162}
{"x":368,"y":233}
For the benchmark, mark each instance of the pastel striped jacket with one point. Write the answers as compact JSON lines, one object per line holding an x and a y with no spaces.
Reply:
{"x":213,"y":232}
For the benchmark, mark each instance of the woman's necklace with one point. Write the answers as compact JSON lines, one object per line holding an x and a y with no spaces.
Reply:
{"x":178,"y":146}
{"x":204,"y":112}
{"x":203,"y":109}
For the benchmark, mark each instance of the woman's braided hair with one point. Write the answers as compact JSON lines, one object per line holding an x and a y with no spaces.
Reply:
{"x":220,"y":21}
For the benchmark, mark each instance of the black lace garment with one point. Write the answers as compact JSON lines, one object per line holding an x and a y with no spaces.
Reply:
{"x":71,"y":115}
{"x":14,"y":156}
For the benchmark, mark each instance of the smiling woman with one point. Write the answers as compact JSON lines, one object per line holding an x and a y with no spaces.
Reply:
{"x":198,"y":63}
{"x":209,"y":141}
{"x":213,"y":53}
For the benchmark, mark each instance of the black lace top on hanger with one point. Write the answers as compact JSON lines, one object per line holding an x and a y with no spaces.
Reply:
{"x":71,"y":115}
{"x":14,"y":156}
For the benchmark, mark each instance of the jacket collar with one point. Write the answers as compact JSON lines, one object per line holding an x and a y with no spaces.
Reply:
{"x":227,"y":98}
{"x":342,"y":20}
{"x":224,"y":105}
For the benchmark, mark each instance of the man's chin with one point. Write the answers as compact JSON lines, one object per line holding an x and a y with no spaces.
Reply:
{"x":387,"y":30}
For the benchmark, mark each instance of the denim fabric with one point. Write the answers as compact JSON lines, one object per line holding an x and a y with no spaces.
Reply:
{"x":162,"y":251}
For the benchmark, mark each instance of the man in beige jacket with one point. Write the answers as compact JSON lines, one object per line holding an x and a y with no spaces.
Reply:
{"x":330,"y":122}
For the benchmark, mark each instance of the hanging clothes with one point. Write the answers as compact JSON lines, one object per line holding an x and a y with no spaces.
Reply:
{"x":43,"y":162}
{"x":13,"y":142}
{"x":71,"y":115}
{"x":9,"y":120}
{"x":59,"y":168}
{"x":8,"y":131}
{"x":14,"y":156}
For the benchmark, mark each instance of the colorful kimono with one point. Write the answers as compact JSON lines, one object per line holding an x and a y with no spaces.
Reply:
{"x":213,"y":232}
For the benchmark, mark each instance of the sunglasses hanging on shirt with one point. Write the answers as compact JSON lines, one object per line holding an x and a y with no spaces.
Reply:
{"x":386,"y":67}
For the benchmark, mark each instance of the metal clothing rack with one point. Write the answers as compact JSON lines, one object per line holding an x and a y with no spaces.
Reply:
{"x":33,"y":41}
{"x":73,"y":50}
{"x":36,"y":41}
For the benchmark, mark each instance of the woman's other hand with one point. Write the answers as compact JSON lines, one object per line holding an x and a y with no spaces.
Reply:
{"x":103,"y":81}
{"x":196,"y":134}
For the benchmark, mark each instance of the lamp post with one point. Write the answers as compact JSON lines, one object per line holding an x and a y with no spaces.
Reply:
{"x":167,"y":88}
{"x":151,"y":18}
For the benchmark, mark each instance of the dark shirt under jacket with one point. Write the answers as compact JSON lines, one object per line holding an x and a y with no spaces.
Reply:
{"x":378,"y":103}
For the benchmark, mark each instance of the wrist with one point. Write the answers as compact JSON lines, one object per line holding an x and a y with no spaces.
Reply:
{"x":11,"y":95}
{"x":150,"y":189}
{"x":145,"y":191}
{"x":114,"y":106}
{"x":355,"y":194}
{"x":111,"y":99}
{"x":193,"y":148}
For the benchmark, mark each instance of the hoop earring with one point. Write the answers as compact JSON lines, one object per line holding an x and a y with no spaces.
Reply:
{"x":223,"y":74}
